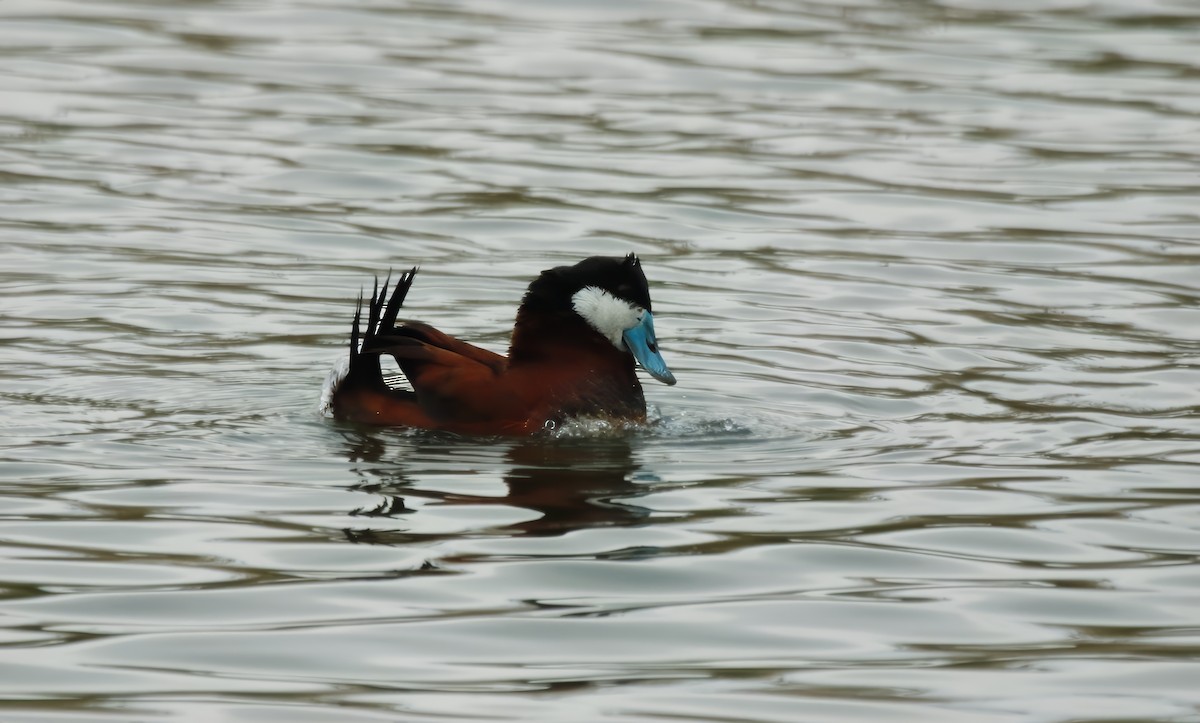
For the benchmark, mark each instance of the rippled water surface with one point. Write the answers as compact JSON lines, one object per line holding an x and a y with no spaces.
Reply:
{"x":926,"y":271}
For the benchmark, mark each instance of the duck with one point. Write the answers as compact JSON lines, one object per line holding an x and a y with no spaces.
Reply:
{"x":580,"y":332}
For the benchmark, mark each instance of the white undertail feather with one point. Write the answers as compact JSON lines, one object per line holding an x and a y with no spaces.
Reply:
{"x":333,"y":380}
{"x":607,"y":314}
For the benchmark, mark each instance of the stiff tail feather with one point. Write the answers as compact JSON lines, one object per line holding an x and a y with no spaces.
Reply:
{"x":361,"y":373}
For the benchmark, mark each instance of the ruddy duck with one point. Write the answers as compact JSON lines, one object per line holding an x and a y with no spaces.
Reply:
{"x":579,"y":331}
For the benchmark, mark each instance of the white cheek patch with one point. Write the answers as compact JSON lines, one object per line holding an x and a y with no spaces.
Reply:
{"x":606,"y":313}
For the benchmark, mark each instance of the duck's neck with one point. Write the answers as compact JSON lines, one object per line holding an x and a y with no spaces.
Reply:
{"x":547,"y":336}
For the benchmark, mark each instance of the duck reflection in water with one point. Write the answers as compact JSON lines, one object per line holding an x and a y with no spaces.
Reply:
{"x":572,"y":484}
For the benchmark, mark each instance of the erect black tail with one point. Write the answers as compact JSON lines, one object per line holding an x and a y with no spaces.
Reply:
{"x":364,"y":366}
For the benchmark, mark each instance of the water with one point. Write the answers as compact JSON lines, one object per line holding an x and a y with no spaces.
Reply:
{"x":926,"y":273}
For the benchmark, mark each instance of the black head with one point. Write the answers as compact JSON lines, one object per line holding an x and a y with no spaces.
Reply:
{"x":553,"y":291}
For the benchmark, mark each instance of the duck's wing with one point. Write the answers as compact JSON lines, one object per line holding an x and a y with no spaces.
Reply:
{"x":454,"y":382}
{"x":425,"y":333}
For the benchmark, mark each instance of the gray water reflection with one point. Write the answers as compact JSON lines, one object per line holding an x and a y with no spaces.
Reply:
{"x":927,"y":273}
{"x":570,"y":486}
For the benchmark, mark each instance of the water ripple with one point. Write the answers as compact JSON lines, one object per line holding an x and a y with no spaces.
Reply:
{"x":926,"y":274}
